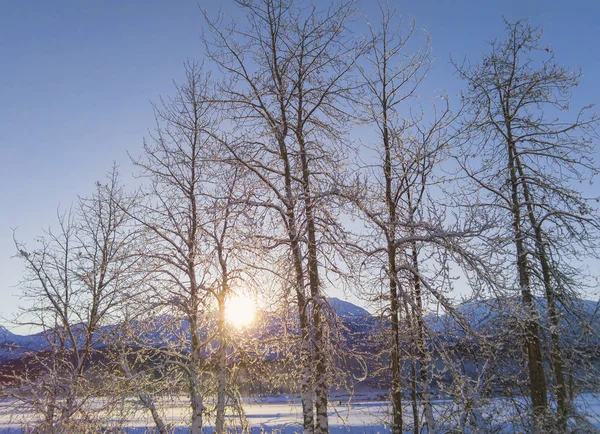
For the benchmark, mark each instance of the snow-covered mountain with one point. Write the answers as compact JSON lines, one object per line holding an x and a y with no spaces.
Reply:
{"x":490,"y":316}
{"x":14,"y":346}
{"x":345,"y":309}
{"x":159,"y":331}
{"x":496,"y":316}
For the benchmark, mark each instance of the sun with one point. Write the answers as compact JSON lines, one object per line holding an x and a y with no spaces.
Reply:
{"x":240,"y":311}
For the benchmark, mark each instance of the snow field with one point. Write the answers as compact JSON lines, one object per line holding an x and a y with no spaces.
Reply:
{"x":278,"y":415}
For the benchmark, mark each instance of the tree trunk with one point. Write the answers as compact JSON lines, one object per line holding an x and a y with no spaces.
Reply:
{"x":413,"y":367}
{"x":307,"y":384}
{"x":148,"y":403}
{"x":537,"y":380}
{"x":421,"y":347}
{"x":557,"y":361}
{"x":196,"y":402}
{"x":306,"y":387}
{"x":396,"y":392}
{"x":321,"y":383}
{"x":397,"y":422}
{"x":146,"y":400}
{"x":222,"y":366}
{"x":196,"y":398}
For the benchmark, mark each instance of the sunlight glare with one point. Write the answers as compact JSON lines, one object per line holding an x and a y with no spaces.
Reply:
{"x":239,"y":311}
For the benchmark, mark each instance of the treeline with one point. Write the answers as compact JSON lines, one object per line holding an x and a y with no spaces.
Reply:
{"x":305,"y":160}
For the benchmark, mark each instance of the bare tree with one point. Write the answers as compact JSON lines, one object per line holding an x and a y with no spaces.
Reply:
{"x":284,"y":86}
{"x":391,"y":78}
{"x":528,"y":163}
{"x":194,"y":216}
{"x":229,"y":230}
{"x":174,"y":164}
{"x":77,"y":281}
{"x":409,"y":238}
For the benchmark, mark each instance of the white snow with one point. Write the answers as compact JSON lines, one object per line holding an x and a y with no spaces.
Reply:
{"x":278,"y":414}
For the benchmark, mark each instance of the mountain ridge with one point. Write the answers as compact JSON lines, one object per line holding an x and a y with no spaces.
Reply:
{"x":489,"y":315}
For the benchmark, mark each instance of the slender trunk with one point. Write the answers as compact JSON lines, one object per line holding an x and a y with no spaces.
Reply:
{"x":396,"y":392}
{"x":397,"y":422}
{"x":321,"y":383}
{"x":537,"y":381}
{"x":413,"y":367}
{"x":197,"y":402}
{"x":148,"y":403}
{"x":557,"y":361}
{"x":425,"y":397}
{"x":321,"y":380}
{"x":306,"y":385}
{"x":146,"y":400}
{"x":306,"y":391}
{"x":306,"y":356}
{"x":50,"y":407}
{"x":413,"y":396}
{"x":196,"y":398}
{"x":222,"y":376}
{"x":67,"y":411}
{"x":50,"y":413}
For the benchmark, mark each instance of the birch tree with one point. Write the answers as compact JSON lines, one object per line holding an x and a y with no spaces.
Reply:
{"x":194,"y":219}
{"x":229,"y":229}
{"x":174,"y":164}
{"x":391,"y":78}
{"x":285,"y":79}
{"x":409,"y":238}
{"x":530,"y":162}
{"x":77,"y":281}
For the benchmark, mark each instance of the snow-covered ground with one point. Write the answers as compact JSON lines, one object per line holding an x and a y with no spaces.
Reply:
{"x":282,"y":415}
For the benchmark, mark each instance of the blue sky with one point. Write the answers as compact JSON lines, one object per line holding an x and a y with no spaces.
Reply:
{"x":77,"y":78}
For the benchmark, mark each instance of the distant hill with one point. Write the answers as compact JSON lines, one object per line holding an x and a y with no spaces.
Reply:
{"x":359,"y":324}
{"x":496,"y":315}
{"x":346,"y":309}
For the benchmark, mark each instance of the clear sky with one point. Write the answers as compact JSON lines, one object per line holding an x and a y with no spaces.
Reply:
{"x":77,"y":78}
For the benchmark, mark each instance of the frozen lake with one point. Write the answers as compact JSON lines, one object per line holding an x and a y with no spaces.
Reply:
{"x":278,"y":414}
